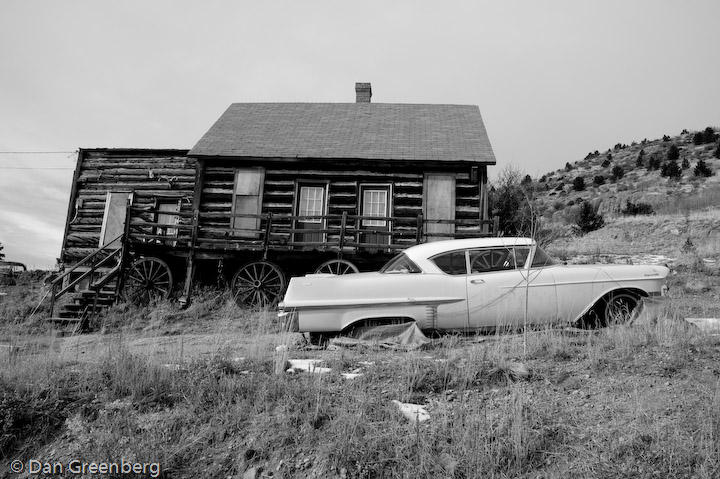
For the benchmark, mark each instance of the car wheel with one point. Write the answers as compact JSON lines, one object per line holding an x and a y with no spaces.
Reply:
{"x":619,"y":308}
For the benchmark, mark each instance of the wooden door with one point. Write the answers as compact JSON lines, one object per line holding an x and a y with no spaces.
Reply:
{"x":247,"y":200}
{"x":439,"y":204}
{"x":113,"y":224}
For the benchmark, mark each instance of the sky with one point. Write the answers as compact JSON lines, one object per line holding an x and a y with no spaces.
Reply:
{"x":553,"y":79}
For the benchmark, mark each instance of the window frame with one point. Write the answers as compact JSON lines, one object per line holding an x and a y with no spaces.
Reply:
{"x":467,"y":261}
{"x":386,"y":188}
{"x":323,"y":201}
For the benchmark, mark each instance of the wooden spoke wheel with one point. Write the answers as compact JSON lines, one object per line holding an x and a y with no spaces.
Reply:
{"x":337,"y":266}
{"x":258,"y":284}
{"x":619,"y":308}
{"x":147,"y":278}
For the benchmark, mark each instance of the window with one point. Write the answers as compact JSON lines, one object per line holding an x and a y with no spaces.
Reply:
{"x":521,"y":255}
{"x":491,"y":259}
{"x":541,"y":259}
{"x":400,"y":264}
{"x":311,"y":203}
{"x":375,"y":203}
{"x":247,"y":202}
{"x":165,"y":217}
{"x":451,"y":263}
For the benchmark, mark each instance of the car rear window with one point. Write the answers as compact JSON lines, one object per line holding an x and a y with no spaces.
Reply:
{"x":451,"y":263}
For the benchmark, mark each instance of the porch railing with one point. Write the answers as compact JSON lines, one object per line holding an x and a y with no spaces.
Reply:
{"x":342,"y":232}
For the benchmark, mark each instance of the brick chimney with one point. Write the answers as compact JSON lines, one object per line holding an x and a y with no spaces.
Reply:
{"x":363,"y":93}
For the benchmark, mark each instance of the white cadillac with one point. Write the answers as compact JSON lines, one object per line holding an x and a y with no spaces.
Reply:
{"x":470,"y":284}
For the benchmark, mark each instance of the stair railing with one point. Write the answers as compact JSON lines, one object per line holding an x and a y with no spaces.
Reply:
{"x":94,"y":261}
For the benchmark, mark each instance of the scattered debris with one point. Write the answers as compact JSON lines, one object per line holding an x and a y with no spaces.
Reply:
{"x":415,"y":413}
{"x":696,"y":286}
{"x":351,"y":375}
{"x":307,"y":365}
{"x":511,"y":370}
{"x":404,"y":337}
{"x":706,"y":325}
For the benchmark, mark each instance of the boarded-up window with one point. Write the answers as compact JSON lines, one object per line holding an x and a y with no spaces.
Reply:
{"x":247,"y":201}
{"x":439,"y":206}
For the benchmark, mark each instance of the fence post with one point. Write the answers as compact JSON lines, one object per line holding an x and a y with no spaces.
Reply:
{"x":343,"y":225}
{"x":419,"y":229}
{"x":266,"y":240}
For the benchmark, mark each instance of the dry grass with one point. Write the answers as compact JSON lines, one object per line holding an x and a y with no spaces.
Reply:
{"x":640,"y":400}
{"x":637,"y":399}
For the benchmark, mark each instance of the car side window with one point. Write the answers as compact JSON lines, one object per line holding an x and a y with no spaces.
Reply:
{"x":521,"y":255}
{"x":451,"y":263}
{"x":541,"y":259}
{"x":491,"y":259}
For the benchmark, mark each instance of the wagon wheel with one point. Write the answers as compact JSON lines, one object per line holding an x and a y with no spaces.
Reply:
{"x":258,"y":283}
{"x":619,"y":308}
{"x":337,"y":266}
{"x":146,"y":279}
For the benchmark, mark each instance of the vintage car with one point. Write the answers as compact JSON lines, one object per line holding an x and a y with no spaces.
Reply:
{"x":470,"y":285}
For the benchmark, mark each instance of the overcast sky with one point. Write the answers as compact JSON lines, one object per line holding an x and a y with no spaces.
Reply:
{"x":553,"y":79}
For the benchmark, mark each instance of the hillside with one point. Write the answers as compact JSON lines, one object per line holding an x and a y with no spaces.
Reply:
{"x":557,"y":197}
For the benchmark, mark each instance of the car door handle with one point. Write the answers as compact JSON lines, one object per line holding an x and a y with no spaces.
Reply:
{"x":477,"y":281}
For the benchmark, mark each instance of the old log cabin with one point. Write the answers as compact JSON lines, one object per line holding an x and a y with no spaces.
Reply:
{"x":272,"y":190}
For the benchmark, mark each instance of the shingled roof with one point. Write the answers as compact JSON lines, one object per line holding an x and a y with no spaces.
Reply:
{"x":383,"y":131}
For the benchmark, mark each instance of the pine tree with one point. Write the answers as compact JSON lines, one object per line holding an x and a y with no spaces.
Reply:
{"x":671,"y":170}
{"x":640,"y":161}
{"x":579,"y":183}
{"x":617,"y":172}
{"x":673,"y":152}
{"x":685,"y":164}
{"x":701,"y":169}
{"x":717,"y":151}
{"x":2,"y":255}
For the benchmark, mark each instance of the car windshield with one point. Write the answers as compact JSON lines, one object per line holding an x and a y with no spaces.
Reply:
{"x":400,"y":264}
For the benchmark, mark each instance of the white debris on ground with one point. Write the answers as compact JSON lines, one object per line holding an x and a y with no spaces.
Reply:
{"x":706,"y":325}
{"x":415,"y":413}
{"x":307,"y":365}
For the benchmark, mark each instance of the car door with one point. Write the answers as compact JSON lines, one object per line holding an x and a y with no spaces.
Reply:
{"x":500,"y":287}
{"x":496,"y":296}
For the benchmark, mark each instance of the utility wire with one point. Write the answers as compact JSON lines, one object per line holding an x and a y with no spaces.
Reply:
{"x":36,"y":167}
{"x":35,"y":152}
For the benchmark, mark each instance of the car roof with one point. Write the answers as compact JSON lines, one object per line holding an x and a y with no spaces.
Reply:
{"x":427,"y":250}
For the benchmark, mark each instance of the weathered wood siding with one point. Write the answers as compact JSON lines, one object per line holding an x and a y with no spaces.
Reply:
{"x":150,"y":174}
{"x":344,"y":179}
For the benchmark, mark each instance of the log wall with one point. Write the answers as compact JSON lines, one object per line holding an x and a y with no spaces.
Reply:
{"x":344,"y":179}
{"x":150,"y":174}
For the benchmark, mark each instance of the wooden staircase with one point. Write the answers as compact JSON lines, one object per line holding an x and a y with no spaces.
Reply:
{"x":87,"y":288}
